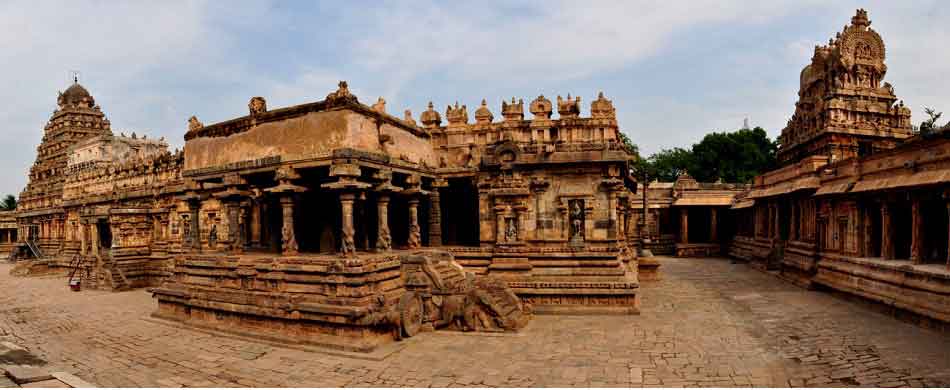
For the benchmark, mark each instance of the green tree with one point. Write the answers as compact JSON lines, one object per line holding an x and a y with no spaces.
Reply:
{"x":929,"y":125}
{"x":667,"y":164}
{"x":734,"y":157}
{"x":8,"y":203}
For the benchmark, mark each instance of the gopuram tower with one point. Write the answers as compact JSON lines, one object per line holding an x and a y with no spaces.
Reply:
{"x":40,"y":213}
{"x":844,"y":110}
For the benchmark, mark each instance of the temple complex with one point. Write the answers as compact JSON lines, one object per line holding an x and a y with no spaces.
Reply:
{"x":861,"y":205}
{"x":338,"y":224}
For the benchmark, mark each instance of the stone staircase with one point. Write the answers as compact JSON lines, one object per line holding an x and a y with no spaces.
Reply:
{"x":112,"y":276}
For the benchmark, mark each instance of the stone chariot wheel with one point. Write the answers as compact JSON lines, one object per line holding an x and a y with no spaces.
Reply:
{"x":410,"y":311}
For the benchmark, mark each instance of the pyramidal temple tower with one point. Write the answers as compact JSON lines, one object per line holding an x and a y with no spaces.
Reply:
{"x":76,"y":118}
{"x":844,"y":109}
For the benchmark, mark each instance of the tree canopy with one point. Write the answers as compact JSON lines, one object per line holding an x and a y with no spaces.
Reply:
{"x":734,"y":157}
{"x":8,"y":203}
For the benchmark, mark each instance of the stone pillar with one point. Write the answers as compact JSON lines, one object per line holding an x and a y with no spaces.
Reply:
{"x":684,"y":226}
{"x":916,"y":233}
{"x":500,"y":224}
{"x":255,"y":223}
{"x":95,"y":239}
{"x":193,"y":207}
{"x":775,"y":222}
{"x":82,"y":239}
{"x":948,"y":238}
{"x":887,"y":248}
{"x":384,"y":240}
{"x":288,"y":238}
{"x":612,"y":214}
{"x":713,"y":229}
{"x":415,"y":234}
{"x":234,"y":227}
{"x":347,"y":241}
{"x":795,"y":220}
{"x":435,"y":218}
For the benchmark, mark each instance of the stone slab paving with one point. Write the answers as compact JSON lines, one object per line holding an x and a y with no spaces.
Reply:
{"x":709,"y":323}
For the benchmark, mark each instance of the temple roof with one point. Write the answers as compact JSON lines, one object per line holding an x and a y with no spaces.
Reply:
{"x":76,"y":94}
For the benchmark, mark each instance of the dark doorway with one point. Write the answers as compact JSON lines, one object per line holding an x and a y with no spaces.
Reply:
{"x":459,"y":207}
{"x":875,"y":219}
{"x":901,"y":219}
{"x":934,"y":230}
{"x":105,"y":234}
{"x":699,"y":224}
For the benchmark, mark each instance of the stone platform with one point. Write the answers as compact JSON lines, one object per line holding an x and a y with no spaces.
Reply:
{"x":354,"y":304}
{"x":559,"y":281}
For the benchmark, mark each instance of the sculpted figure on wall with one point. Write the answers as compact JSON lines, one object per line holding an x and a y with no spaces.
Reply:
{"x":577,"y":219}
{"x":257,"y":105}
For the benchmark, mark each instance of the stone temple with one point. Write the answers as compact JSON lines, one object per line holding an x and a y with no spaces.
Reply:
{"x":336,"y":223}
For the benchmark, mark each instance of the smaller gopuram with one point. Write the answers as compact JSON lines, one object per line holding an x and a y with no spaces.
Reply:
{"x":860,"y":206}
{"x":844,"y":108}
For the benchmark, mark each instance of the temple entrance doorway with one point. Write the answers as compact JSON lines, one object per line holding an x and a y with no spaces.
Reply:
{"x":459,"y":207}
{"x":699,"y":225}
{"x":105,"y":234}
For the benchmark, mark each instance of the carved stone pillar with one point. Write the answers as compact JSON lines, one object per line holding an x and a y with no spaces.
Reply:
{"x":415,"y":233}
{"x":195,"y":244}
{"x":887,"y":248}
{"x":348,"y":240}
{"x":684,"y":226}
{"x":82,"y":238}
{"x":435,"y":218}
{"x":234,"y":228}
{"x":793,"y":228}
{"x":255,"y":223}
{"x":384,"y":240}
{"x":713,"y":228}
{"x":288,"y":237}
{"x":95,"y":239}
{"x":916,"y":233}
{"x":612,"y":214}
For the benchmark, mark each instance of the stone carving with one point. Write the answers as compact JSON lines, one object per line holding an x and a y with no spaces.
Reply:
{"x":576,"y":220}
{"x":342,"y":94}
{"x":407,"y":117}
{"x":602,"y":108}
{"x":513,"y":111}
{"x":415,"y":236}
{"x":430,"y":117}
{"x":541,"y":108}
{"x":511,"y":231}
{"x":194,"y":124}
{"x":257,"y":106}
{"x":457,"y":115}
{"x":380,"y":105}
{"x":213,"y":236}
{"x":483,"y":115}
{"x":568,"y":108}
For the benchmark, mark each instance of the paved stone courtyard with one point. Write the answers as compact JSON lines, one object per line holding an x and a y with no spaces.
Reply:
{"x":709,"y":323}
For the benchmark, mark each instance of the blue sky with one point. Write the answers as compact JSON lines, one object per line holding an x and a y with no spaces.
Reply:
{"x":675,"y":70}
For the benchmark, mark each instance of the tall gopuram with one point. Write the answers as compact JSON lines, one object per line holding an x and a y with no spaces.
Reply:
{"x":41,"y":216}
{"x":862,"y":204}
{"x":844,"y":108}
